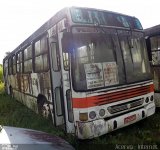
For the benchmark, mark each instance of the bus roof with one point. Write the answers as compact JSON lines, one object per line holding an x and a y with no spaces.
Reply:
{"x":155,"y":30}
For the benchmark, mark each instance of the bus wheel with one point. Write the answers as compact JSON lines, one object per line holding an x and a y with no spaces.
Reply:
{"x":43,"y":106}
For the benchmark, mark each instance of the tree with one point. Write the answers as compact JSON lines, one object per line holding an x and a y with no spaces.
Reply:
{"x":1,"y":73}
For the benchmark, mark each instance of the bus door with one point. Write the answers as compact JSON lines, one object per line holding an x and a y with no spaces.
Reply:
{"x":64,"y":39}
{"x":56,"y":82}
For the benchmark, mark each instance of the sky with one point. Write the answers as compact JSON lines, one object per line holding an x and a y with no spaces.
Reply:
{"x":20,"y":18}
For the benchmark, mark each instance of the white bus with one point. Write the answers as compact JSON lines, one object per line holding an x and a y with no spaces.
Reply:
{"x":89,"y":68}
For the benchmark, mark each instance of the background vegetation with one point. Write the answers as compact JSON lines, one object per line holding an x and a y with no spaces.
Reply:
{"x":1,"y":79}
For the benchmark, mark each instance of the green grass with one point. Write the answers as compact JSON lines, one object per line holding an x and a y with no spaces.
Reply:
{"x":13,"y":113}
{"x":1,"y":87}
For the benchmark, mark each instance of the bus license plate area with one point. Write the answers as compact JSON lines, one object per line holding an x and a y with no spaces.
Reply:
{"x":129,"y":119}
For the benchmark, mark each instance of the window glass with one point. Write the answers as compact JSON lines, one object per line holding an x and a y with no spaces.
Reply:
{"x":123,"y":20}
{"x":101,"y":60}
{"x":137,"y":24}
{"x":135,"y":58}
{"x":28,"y":65}
{"x":45,"y":62}
{"x":25,"y":54}
{"x":14,"y":64}
{"x":27,"y":59}
{"x":37,"y":48}
{"x":44,"y":45}
{"x":124,"y":42}
{"x":155,"y":49}
{"x":86,"y":16}
{"x":10,"y":66}
{"x":29,"y":52}
{"x":18,"y":62}
{"x":41,"y":55}
{"x":93,"y":56}
{"x":39,"y":63}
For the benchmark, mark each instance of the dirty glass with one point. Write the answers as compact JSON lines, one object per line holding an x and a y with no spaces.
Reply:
{"x":19,"y":62}
{"x":28,"y":59}
{"x":137,"y":24}
{"x":90,"y":49}
{"x":90,"y":16}
{"x":37,"y":48}
{"x":28,"y":65}
{"x":135,"y":59}
{"x":39,"y":63}
{"x":41,"y":55}
{"x":10,"y":66}
{"x":45,"y":62}
{"x":14,"y":64}
{"x":44,"y":45}
{"x":155,"y":49}
{"x":125,"y":52}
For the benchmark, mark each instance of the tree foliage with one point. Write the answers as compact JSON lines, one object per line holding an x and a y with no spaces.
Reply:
{"x":1,"y":73}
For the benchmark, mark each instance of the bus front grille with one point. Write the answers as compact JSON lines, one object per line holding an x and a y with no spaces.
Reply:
{"x":125,"y":106}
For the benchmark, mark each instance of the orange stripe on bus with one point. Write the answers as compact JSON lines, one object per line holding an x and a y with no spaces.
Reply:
{"x":111,"y":97}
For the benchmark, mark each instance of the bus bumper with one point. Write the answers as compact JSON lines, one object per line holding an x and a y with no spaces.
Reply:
{"x":88,"y":130}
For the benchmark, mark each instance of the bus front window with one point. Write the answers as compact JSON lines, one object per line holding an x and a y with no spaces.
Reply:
{"x":92,"y":53}
{"x":98,"y":62}
{"x":135,"y":58}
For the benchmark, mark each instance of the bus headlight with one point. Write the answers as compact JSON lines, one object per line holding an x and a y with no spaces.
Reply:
{"x":102,"y":112}
{"x":92,"y":115}
{"x":147,"y":100}
{"x":151,"y":98}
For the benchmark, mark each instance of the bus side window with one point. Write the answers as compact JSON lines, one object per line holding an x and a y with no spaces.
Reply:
{"x":66,"y":61}
{"x":10,"y":66}
{"x":14,"y":64}
{"x":19,"y":62}
{"x":41,"y":63}
{"x":28,"y":59}
{"x":55,"y":57}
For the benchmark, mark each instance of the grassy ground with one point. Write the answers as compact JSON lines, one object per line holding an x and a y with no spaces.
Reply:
{"x":1,"y":87}
{"x":12,"y":113}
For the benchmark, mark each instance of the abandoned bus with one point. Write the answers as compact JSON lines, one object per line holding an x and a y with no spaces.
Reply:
{"x":153,"y":46}
{"x":89,"y":68}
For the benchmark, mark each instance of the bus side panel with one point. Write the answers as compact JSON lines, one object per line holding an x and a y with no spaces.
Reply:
{"x":156,"y":80}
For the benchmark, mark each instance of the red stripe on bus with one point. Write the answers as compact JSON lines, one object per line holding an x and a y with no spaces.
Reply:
{"x":111,"y":97}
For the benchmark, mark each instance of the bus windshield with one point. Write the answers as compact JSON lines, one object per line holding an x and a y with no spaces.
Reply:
{"x":101,"y":60}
